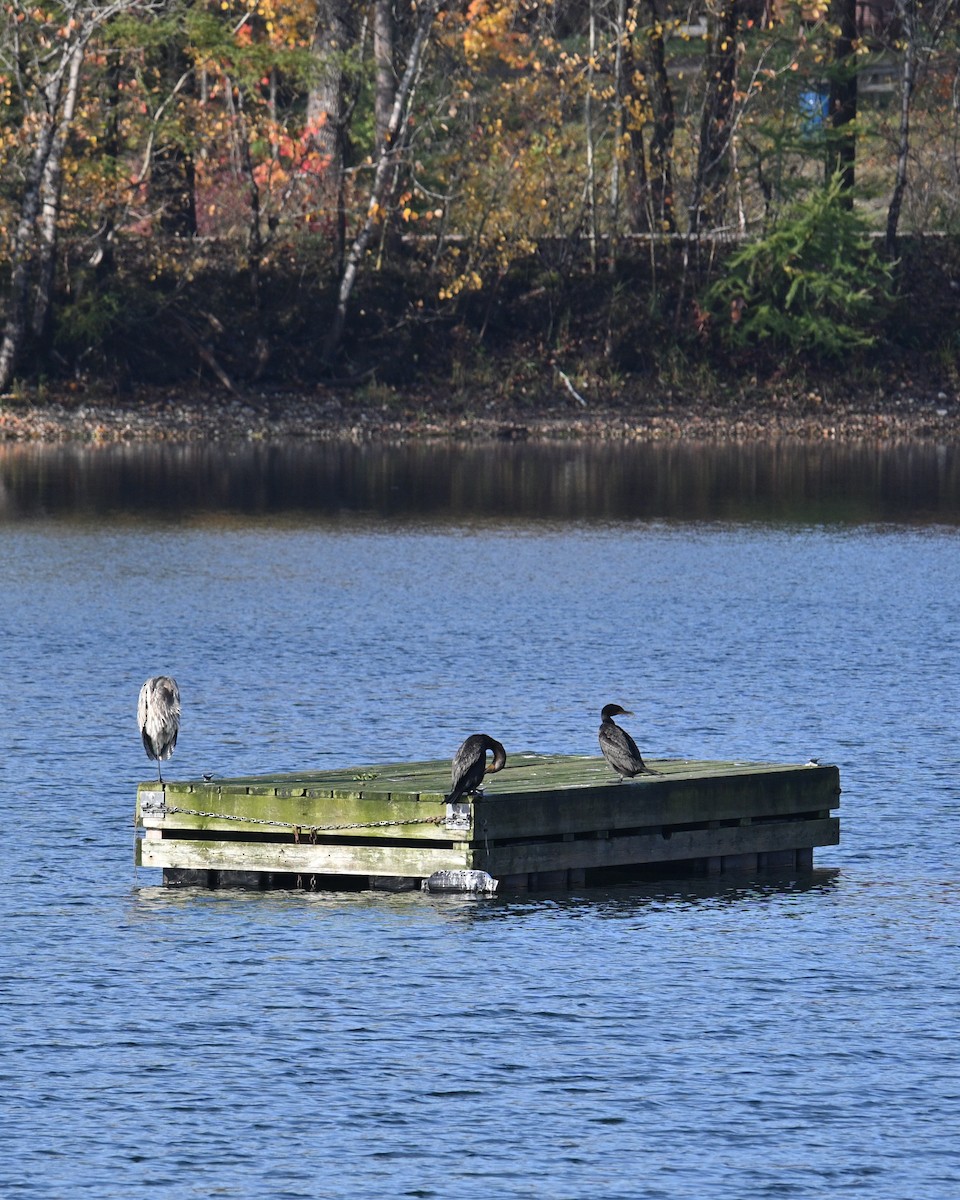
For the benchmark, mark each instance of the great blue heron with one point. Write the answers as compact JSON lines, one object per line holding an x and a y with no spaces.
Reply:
{"x":158,"y":715}
{"x":619,"y":748}
{"x":470,"y":765}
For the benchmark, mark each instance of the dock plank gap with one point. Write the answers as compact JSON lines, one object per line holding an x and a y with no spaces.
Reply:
{"x":546,"y":822}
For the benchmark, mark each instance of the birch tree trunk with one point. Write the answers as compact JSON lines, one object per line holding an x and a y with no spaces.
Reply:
{"x":51,"y":181}
{"x":49,"y":83}
{"x":15,"y":329}
{"x":914,"y":62}
{"x":386,"y":165}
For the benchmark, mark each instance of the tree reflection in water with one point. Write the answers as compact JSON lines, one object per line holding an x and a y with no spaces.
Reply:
{"x":793,"y":483}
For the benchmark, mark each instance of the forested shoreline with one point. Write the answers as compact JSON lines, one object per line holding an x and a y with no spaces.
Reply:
{"x":481,"y":203}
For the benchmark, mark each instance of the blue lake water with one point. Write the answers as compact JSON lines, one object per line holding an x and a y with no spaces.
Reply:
{"x":769,"y":1037}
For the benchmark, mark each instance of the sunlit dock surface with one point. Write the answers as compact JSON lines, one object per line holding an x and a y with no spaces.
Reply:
{"x":546,"y":822}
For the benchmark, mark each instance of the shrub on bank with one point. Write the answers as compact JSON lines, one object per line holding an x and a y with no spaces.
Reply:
{"x":814,"y":287}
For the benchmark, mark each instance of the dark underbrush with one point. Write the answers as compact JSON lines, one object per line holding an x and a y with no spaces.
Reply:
{"x":194,"y":315}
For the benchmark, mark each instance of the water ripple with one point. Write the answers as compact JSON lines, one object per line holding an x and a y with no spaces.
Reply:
{"x":777,"y":1037}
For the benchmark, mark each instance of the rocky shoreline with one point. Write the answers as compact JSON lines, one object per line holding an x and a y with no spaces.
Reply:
{"x":897,"y":414}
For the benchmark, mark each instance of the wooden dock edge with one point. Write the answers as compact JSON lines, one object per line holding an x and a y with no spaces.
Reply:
{"x":258,"y":834}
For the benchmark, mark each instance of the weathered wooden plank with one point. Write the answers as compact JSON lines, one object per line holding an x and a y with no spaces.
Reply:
{"x":266,"y":812}
{"x":629,"y":850}
{"x":211,"y":854}
{"x":375,"y":779}
{"x":361,"y":773}
{"x":526,"y":771}
{"x":532,"y":772}
{"x":673,"y":800}
{"x":501,"y":862}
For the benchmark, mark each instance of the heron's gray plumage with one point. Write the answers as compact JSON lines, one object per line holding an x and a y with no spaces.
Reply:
{"x":619,"y":748}
{"x":470,"y":765}
{"x":158,"y":715}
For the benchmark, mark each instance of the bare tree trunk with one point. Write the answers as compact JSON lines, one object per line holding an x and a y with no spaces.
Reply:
{"x":50,"y":140}
{"x":325,"y":102}
{"x":915,"y":61}
{"x":716,"y":124}
{"x":634,"y":82}
{"x":15,"y":328}
{"x":591,"y":180}
{"x":47,"y":76}
{"x":254,"y":228}
{"x":652,"y":201}
{"x":173,"y":173}
{"x":103,"y":257}
{"x":51,"y":180}
{"x":664,"y":124}
{"x":908,"y":15}
{"x":386,"y":80}
{"x":385,"y":86}
{"x":384,"y":174}
{"x":842,"y":146}
{"x":616,"y":163}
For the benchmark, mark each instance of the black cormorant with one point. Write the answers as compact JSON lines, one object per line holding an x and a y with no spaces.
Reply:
{"x":158,"y":715}
{"x":470,"y":765}
{"x":619,"y":748}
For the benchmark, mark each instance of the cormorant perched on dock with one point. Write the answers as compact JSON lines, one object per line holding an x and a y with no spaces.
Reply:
{"x":470,"y":765}
{"x":158,"y":715}
{"x":619,"y":748}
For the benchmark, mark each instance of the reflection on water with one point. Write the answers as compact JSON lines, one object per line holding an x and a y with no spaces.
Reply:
{"x":797,"y":483}
{"x":626,"y":900}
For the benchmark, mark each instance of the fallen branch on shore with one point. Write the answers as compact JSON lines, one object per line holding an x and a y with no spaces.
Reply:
{"x":570,"y":388}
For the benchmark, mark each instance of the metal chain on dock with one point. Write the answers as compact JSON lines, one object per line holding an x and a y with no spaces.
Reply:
{"x":295,"y":825}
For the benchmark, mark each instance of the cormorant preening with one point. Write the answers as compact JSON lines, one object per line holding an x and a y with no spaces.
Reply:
{"x":619,"y":748}
{"x":470,"y":765}
{"x":158,"y":715}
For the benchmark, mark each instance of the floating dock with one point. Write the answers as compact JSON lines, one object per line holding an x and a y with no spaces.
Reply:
{"x":546,"y":822}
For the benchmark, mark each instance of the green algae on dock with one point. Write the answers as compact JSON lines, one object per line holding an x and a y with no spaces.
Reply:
{"x":545,"y":821}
